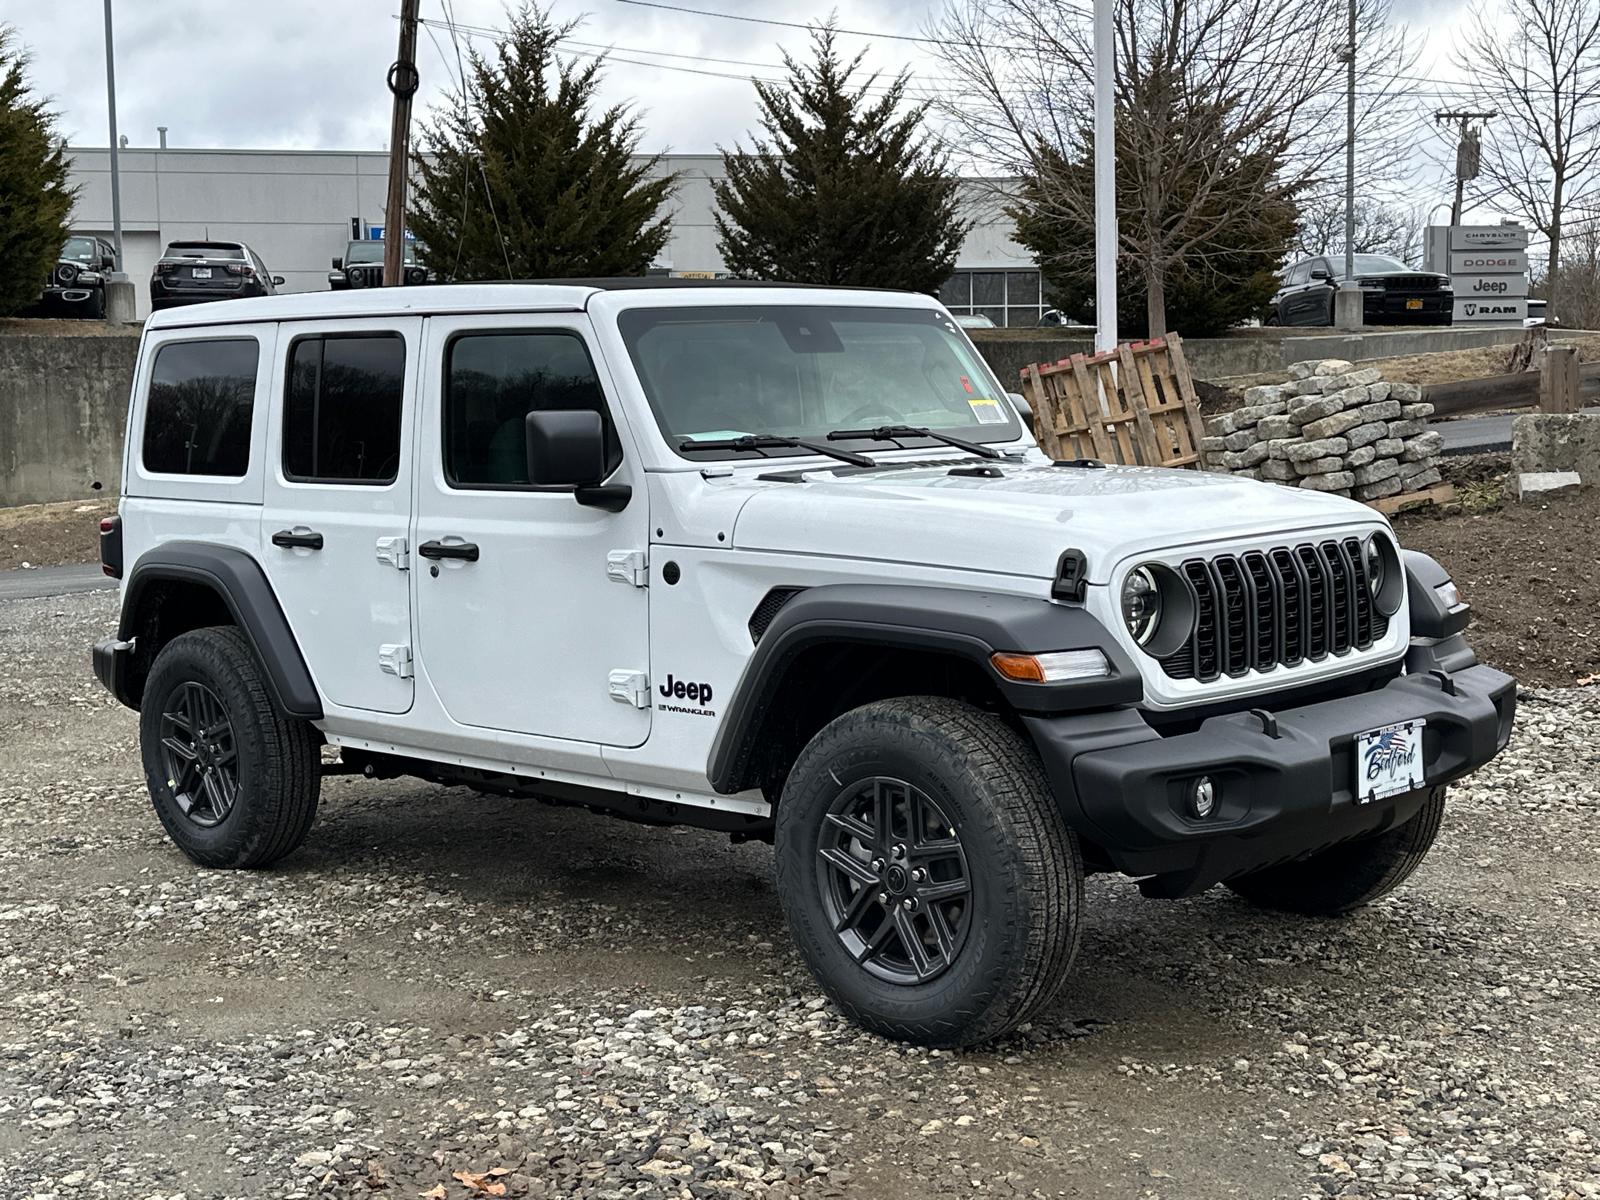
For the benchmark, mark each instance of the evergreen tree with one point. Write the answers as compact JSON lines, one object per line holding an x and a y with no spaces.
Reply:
{"x":519,"y":179}
{"x":845,"y":191}
{"x":35,"y":201}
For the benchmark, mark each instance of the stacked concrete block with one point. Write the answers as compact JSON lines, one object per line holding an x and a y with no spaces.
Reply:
{"x":1330,"y":428}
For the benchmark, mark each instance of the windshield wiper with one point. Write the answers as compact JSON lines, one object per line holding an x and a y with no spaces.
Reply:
{"x":764,"y":441}
{"x":892,"y":433}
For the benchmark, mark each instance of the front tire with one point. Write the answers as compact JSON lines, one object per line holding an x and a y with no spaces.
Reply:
{"x":926,"y":873}
{"x":1350,"y":874}
{"x":233,"y":780}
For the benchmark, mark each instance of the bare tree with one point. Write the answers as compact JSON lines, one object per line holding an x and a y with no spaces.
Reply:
{"x":1538,"y":62}
{"x":1219,"y":104}
{"x":1381,"y":228}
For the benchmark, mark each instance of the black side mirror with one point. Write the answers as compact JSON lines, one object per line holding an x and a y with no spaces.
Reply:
{"x":567,"y":448}
{"x":338,"y":264}
{"x":1320,"y":275}
{"x":1024,"y":409}
{"x":277,"y":281}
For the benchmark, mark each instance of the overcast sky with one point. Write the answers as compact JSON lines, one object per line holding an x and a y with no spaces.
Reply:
{"x":309,"y":73}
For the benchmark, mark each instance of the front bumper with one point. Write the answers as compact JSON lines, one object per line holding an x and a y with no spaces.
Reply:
{"x":1124,"y":787}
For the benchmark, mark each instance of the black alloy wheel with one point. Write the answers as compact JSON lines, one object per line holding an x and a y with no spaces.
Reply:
{"x":199,"y":753}
{"x":233,"y":781}
{"x":927,"y":876}
{"x":894,"y":881}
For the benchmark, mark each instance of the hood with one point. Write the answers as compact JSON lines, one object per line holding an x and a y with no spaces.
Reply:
{"x":1019,"y":523}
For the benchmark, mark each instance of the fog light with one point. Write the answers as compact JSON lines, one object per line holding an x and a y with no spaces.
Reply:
{"x":1202,"y":797}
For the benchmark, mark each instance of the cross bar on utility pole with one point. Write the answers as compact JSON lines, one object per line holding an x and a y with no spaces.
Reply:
{"x":403,"y":82}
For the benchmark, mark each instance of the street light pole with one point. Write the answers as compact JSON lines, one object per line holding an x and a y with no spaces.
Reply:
{"x":111,"y":106}
{"x":1105,"y":182}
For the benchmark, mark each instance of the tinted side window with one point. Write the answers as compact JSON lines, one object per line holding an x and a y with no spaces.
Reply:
{"x":1298,"y":274}
{"x":493,"y":381}
{"x":341,"y":421}
{"x":202,"y":397}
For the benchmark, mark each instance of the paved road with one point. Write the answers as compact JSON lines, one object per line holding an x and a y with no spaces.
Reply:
{"x":1480,"y":435}
{"x":53,"y":581}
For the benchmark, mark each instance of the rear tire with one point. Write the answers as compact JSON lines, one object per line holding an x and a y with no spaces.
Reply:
{"x":1350,"y":874}
{"x":946,"y":812}
{"x":233,"y":780}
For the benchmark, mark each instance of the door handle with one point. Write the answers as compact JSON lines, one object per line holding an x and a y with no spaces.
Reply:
{"x":286,"y":537}
{"x":466,"y":551}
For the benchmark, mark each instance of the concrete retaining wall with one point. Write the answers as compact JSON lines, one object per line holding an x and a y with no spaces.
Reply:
{"x":63,"y":404}
{"x":1258,"y":352}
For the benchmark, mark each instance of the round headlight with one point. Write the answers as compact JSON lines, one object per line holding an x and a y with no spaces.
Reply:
{"x":1141,"y":604}
{"x":1376,"y":568}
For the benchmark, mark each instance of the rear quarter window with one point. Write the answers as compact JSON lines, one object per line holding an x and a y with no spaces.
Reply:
{"x":200,"y":407}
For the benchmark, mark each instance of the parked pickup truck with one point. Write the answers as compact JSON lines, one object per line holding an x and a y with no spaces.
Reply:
{"x":781,"y":562}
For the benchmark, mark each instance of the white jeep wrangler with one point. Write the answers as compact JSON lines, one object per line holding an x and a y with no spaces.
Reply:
{"x":777,"y":561}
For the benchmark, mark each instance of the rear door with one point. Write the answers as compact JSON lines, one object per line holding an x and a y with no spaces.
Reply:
{"x":338,"y":503}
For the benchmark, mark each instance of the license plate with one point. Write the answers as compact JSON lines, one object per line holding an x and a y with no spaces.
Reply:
{"x":1413,"y":303}
{"x":202,"y":272}
{"x":1389,"y":761}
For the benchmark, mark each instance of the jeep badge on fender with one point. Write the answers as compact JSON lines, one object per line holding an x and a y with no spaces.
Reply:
{"x":700,"y":693}
{"x":459,"y":533}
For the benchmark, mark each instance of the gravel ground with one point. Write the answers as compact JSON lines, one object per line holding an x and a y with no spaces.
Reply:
{"x":447,"y":995}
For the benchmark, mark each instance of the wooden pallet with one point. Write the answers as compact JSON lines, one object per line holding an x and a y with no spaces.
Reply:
{"x":1439,"y":494}
{"x":1134,"y":405}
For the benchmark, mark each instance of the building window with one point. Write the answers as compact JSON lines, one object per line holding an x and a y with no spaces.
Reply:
{"x":1008,"y":298}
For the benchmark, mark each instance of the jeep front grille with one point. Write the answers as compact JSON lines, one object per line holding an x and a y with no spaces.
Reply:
{"x":1280,"y":607}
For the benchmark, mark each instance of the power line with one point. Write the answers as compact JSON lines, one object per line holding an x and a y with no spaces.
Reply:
{"x":701,"y":12}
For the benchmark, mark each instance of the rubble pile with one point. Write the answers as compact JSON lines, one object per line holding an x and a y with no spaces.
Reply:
{"x":1330,"y":428}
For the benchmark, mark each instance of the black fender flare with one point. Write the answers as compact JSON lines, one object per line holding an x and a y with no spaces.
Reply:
{"x":968,"y":624}
{"x":241,"y":583}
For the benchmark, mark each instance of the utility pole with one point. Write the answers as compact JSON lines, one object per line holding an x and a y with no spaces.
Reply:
{"x":1105,"y":182}
{"x":403,"y":83}
{"x":1467,"y":152}
{"x":111,"y":107}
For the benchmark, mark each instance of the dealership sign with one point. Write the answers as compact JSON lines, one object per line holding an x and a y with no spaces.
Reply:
{"x":1510,"y":311}
{"x":1488,"y":237}
{"x":1477,"y":287}
{"x":1488,"y":262}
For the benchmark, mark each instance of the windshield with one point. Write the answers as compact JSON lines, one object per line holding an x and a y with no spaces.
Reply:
{"x":361,"y":253}
{"x":1372,"y":264}
{"x":714,"y":373}
{"x":78,"y":250}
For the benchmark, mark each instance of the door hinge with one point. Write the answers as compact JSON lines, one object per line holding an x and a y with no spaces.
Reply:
{"x":395,"y":660}
{"x":392,"y":550}
{"x":628,"y":566}
{"x":631,"y":687}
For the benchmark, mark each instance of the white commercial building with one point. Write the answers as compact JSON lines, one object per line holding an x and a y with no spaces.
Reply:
{"x":298,"y":208}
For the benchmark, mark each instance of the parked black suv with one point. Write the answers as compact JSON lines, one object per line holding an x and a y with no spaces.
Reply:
{"x":362,"y":267}
{"x":1392,"y":293}
{"x":77,"y":283}
{"x":199,"y":272}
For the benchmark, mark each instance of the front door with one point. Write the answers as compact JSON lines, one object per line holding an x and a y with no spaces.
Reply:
{"x":338,"y":503}
{"x":531,"y":616}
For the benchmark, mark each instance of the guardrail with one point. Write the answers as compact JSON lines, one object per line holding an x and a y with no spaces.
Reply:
{"x":1565,"y":385}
